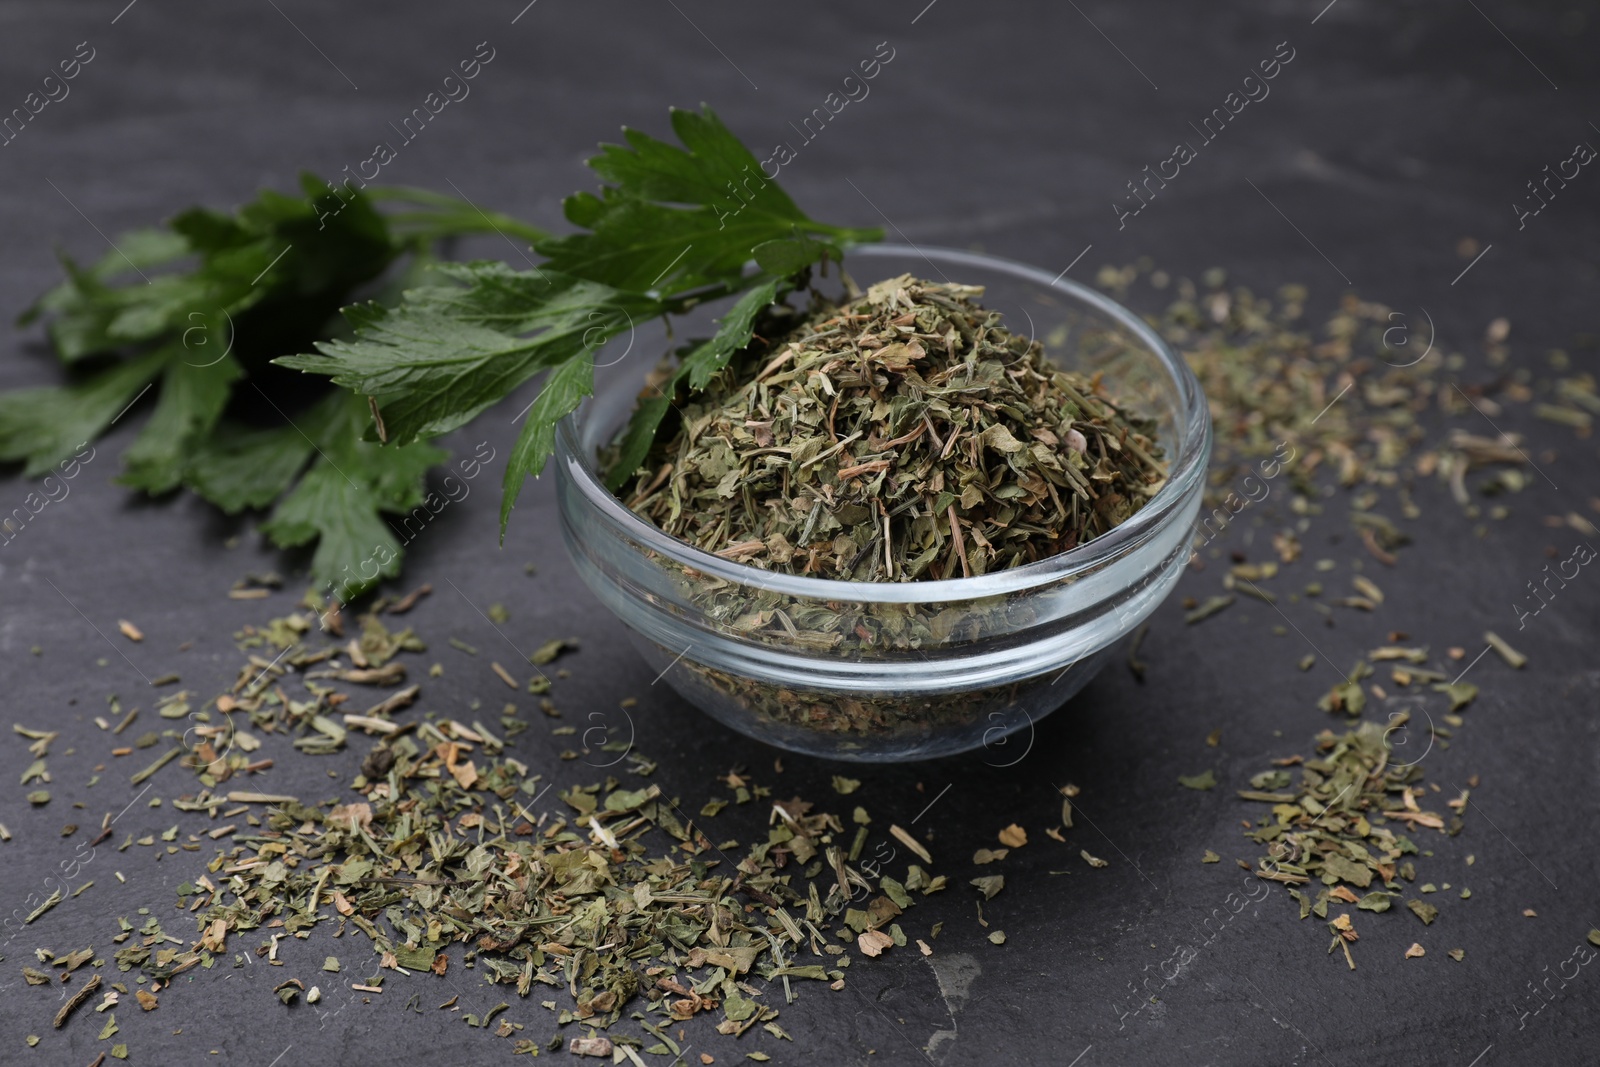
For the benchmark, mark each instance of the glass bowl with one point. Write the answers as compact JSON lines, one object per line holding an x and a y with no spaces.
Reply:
{"x":880,"y":672}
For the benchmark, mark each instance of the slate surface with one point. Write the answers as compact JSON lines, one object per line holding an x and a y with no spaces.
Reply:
{"x":1396,"y":131}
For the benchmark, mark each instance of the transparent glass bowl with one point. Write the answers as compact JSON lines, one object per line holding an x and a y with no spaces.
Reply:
{"x":913,"y":670}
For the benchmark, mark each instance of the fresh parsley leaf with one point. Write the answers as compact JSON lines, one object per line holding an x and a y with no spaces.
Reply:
{"x":733,"y":333}
{"x":238,"y":468}
{"x":168,"y":306}
{"x":639,"y":237}
{"x":448,"y":352}
{"x":192,"y":398}
{"x":558,"y":397}
{"x":44,"y":426}
{"x":697,"y":367}
{"x":84,"y":306}
{"x":339,"y":500}
{"x":633,"y":444}
{"x":789,"y":255}
{"x":275,"y":249}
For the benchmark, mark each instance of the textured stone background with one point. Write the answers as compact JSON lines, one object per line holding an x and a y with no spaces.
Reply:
{"x":1397,"y":130}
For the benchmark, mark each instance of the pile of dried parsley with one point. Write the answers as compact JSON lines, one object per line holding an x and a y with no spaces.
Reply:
{"x":905,"y":434}
{"x":1339,"y":827}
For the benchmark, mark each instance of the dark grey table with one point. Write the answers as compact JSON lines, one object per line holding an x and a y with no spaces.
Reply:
{"x":1395,"y":131}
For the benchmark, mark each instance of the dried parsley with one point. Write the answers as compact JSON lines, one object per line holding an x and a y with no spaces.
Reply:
{"x":1337,"y":827}
{"x":442,"y":857}
{"x":904,"y":434}
{"x":1423,"y":910}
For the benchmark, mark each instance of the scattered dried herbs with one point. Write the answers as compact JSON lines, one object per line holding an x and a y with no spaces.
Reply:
{"x":1346,"y":824}
{"x":1294,"y":411}
{"x":624,"y":901}
{"x":443,"y":856}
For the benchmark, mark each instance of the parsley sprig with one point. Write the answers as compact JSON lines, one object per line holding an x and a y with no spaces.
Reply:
{"x":206,"y":305}
{"x":194,"y":311}
{"x":672,"y":228}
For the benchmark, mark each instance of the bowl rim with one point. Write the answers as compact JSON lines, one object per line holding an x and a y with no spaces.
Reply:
{"x":1187,"y":470}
